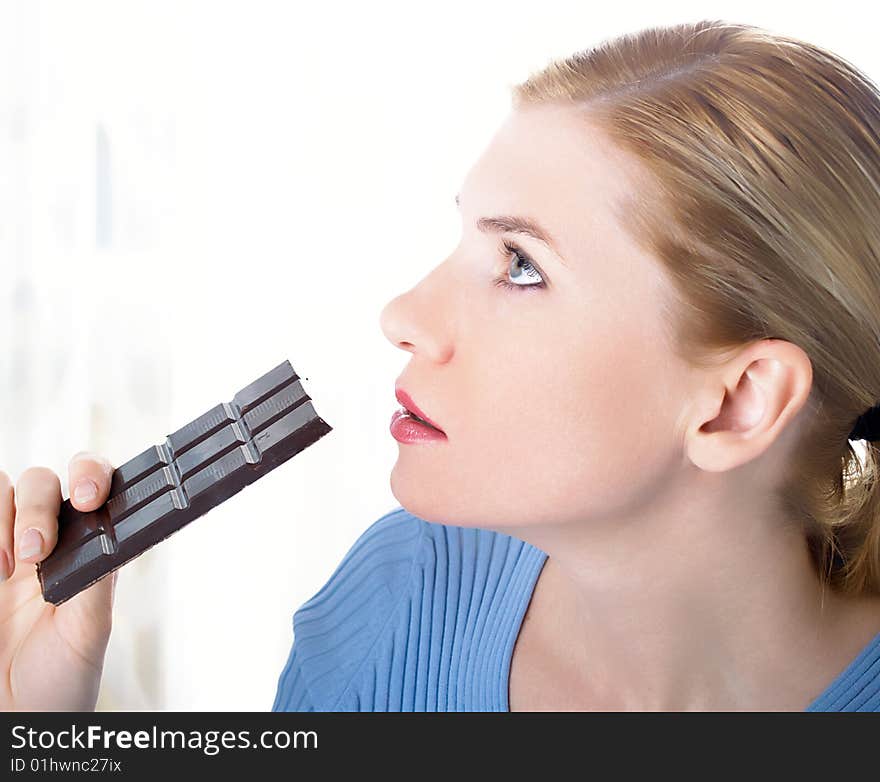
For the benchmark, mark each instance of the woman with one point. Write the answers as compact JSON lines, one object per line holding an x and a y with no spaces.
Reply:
{"x":643,"y":363}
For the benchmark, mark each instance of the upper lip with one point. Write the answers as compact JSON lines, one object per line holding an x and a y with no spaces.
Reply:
{"x":406,"y":400}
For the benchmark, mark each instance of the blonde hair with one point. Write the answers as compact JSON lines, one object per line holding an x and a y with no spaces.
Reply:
{"x":762,"y":153}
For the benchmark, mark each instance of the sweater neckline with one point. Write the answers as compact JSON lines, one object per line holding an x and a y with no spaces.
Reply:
{"x":857,"y":675}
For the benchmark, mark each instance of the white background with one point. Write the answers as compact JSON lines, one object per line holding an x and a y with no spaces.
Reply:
{"x":192,"y":192}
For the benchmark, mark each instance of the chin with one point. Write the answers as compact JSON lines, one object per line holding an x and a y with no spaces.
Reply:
{"x":411,"y":499}
{"x":418,"y":498}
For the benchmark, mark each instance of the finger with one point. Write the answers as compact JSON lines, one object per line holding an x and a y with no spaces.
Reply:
{"x":37,"y":502}
{"x":7,"y":526}
{"x":89,"y":480}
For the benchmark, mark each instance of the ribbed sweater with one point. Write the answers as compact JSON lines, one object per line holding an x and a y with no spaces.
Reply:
{"x":421,"y":616}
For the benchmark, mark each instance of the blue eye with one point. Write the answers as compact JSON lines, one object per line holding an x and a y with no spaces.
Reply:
{"x":523,"y":271}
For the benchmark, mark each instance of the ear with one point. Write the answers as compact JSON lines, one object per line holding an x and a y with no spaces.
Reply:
{"x":746,"y":404}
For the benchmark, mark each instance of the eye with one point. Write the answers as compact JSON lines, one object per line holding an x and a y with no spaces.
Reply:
{"x":523,"y":270}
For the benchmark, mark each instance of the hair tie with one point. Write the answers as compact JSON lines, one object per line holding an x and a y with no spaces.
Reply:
{"x":867,"y":426}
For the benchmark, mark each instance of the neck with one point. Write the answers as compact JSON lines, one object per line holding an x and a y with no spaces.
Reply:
{"x":690,"y":605}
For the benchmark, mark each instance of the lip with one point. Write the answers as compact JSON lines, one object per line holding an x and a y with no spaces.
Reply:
{"x":407,"y":401}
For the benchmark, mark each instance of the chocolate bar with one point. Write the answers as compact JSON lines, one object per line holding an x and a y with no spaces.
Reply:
{"x":167,"y":486}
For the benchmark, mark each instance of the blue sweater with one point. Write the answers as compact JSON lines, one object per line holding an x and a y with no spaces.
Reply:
{"x":421,"y":616}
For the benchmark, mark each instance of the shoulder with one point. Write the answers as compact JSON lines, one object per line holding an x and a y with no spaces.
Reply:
{"x":335,"y":629}
{"x":400,"y":566}
{"x":380,"y":559}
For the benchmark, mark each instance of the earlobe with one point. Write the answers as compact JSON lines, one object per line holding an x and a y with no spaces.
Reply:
{"x":712,"y":446}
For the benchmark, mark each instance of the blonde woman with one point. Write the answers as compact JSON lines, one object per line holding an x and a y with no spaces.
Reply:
{"x":644,"y":364}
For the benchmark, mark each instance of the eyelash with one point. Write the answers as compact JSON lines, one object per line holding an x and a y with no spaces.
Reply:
{"x":506,"y":250}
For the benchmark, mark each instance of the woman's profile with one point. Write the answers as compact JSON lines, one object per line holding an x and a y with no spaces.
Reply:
{"x":646,"y":353}
{"x":645,"y":363}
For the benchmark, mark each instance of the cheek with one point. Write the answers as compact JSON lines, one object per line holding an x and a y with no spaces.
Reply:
{"x":571,"y":433}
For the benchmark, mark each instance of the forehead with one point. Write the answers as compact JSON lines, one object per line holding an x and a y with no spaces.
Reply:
{"x":551,"y":164}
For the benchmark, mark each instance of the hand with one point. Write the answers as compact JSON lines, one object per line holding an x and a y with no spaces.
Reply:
{"x":51,"y":657}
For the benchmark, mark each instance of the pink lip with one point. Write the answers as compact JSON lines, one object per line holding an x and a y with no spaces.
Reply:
{"x":406,"y":400}
{"x":405,"y":428}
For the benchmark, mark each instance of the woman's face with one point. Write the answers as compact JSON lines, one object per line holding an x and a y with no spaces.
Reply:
{"x":559,"y":402}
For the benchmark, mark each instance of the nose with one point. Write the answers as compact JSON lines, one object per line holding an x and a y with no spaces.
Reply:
{"x":418,"y":321}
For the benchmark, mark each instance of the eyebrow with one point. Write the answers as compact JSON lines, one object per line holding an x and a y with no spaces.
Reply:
{"x":516,"y":225}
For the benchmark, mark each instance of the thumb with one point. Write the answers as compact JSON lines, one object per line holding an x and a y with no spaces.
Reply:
{"x":88,"y":616}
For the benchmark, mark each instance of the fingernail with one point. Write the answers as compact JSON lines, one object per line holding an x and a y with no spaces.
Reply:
{"x":85,"y":491}
{"x":31,"y":544}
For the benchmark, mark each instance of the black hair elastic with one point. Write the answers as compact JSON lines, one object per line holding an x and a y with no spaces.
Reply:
{"x":867,"y":425}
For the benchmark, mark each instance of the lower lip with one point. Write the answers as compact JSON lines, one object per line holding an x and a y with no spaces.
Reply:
{"x":406,"y":429}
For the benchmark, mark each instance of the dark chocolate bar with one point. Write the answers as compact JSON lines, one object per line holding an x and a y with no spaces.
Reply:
{"x":167,"y":486}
